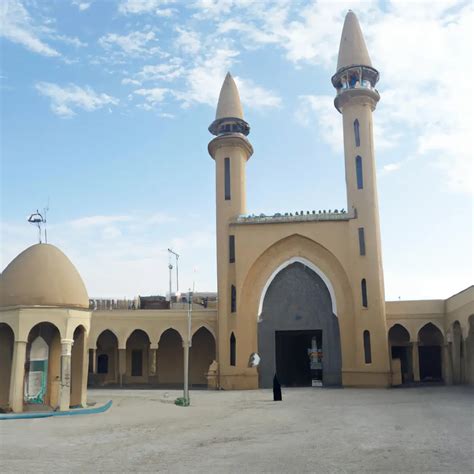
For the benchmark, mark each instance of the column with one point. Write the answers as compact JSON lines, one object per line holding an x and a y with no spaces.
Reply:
{"x":65,"y":387}
{"x":152,"y":361}
{"x":415,"y":357}
{"x":85,"y":375}
{"x":122,"y":362}
{"x":17,"y":376}
{"x":94,"y":361}
{"x":447,"y":364}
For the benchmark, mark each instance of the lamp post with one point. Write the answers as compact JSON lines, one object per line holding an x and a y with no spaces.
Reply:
{"x":187,"y":345}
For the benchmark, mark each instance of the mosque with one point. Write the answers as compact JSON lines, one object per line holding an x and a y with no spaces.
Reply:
{"x":303,"y":293}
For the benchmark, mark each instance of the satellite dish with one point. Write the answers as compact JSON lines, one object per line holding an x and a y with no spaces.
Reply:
{"x":254,"y":360}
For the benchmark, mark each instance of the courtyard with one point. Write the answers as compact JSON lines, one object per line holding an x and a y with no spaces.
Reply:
{"x":421,"y":429}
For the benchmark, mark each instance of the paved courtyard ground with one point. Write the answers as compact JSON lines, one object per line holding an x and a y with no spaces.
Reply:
{"x":426,"y":429}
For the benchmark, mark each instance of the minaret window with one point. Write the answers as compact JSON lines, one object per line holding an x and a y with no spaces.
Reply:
{"x":233,"y":299}
{"x":356,"y":132}
{"x":367,"y":348}
{"x":363,"y":287}
{"x":231,"y":248}
{"x":232,"y":349}
{"x":227,"y":179}
{"x":359,"y":175}
{"x":361,"y":241}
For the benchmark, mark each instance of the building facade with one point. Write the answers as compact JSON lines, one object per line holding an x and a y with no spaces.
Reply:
{"x":304,"y":292}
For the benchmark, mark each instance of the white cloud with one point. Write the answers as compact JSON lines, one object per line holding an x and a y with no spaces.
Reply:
{"x":82,"y":6}
{"x":153,"y":96}
{"x":17,"y":26}
{"x":188,"y":40}
{"x":135,"y":44}
{"x":65,"y":99}
{"x":144,"y":6}
{"x":93,"y":221}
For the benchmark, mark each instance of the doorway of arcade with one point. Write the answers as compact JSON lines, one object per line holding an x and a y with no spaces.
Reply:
{"x":298,"y":357}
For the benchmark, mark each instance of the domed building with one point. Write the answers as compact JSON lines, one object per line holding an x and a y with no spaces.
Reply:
{"x":44,"y":323}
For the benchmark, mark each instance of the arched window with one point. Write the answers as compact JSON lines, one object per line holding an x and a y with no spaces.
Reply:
{"x":367,"y":349}
{"x":231,"y":248}
{"x":360,"y":179}
{"x":363,"y":287}
{"x":233,"y":299}
{"x":361,"y":241}
{"x":356,"y":132}
{"x":227,"y":179}
{"x":103,"y":364}
{"x":232,"y":349}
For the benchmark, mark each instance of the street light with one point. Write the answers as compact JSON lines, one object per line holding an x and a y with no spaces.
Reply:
{"x":187,"y":345}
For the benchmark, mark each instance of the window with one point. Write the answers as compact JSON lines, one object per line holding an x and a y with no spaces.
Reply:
{"x":360,"y":179}
{"x":356,"y":132}
{"x":227,"y":179}
{"x":137,"y":360}
{"x":231,"y":248}
{"x":233,"y":299}
{"x":361,"y":241}
{"x":367,"y":349}
{"x":232,"y":349}
{"x":363,"y":286}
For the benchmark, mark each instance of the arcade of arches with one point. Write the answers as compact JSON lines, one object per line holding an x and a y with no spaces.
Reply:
{"x":143,"y":362}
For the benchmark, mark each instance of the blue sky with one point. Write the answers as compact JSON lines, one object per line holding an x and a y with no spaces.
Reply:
{"x":105,"y":107}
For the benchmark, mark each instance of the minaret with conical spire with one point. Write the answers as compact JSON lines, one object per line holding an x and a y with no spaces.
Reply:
{"x":230,"y":150}
{"x":356,"y":99}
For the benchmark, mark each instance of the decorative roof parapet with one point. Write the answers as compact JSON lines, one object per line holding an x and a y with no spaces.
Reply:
{"x":312,"y":216}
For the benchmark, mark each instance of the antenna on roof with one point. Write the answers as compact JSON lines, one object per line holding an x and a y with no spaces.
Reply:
{"x":45,"y":210}
{"x":37,"y":219}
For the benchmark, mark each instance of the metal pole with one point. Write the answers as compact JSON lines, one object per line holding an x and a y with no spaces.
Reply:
{"x":171,"y":268}
{"x":187,"y":345}
{"x":177,"y":279}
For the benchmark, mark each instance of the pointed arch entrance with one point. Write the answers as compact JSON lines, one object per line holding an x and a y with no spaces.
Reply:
{"x":401,"y":348}
{"x":201,"y":355}
{"x":297,"y":321}
{"x":430,"y":345}
{"x":7,"y":340}
{"x":170,"y":359}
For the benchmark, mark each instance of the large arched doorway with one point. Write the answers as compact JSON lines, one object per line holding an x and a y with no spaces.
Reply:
{"x":457,"y":353}
{"x":201,"y":355}
{"x":138,"y":346}
{"x":7,"y":340}
{"x":107,"y":358}
{"x":470,"y":351}
{"x":400,"y":348}
{"x":170,"y":359}
{"x":43,"y":364}
{"x":297,"y":318}
{"x":78,"y":361}
{"x":430,"y":345}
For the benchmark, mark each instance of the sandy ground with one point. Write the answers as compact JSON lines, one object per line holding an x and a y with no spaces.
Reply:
{"x":428,"y":429}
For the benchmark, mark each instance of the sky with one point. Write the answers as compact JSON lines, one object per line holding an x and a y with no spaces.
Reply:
{"x":104,"y":113}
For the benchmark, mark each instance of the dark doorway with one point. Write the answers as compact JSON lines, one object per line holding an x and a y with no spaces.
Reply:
{"x":293,"y":363}
{"x":401,"y":352}
{"x":137,"y":362}
{"x":430,"y":363}
{"x":103,"y":364}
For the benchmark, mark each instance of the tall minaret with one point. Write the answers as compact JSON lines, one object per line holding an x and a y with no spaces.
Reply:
{"x":230,"y":150}
{"x":356,"y":99}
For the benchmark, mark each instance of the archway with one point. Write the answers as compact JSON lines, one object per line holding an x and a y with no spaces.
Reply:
{"x":400,"y":348}
{"x":457,"y":353}
{"x":170,"y":359}
{"x":430,"y":344}
{"x":43,"y":363}
{"x":470,"y":351}
{"x":107,"y":358}
{"x":138,"y":346}
{"x":297,"y":321}
{"x":201,"y":355}
{"x":7,"y":340}
{"x":78,"y":361}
